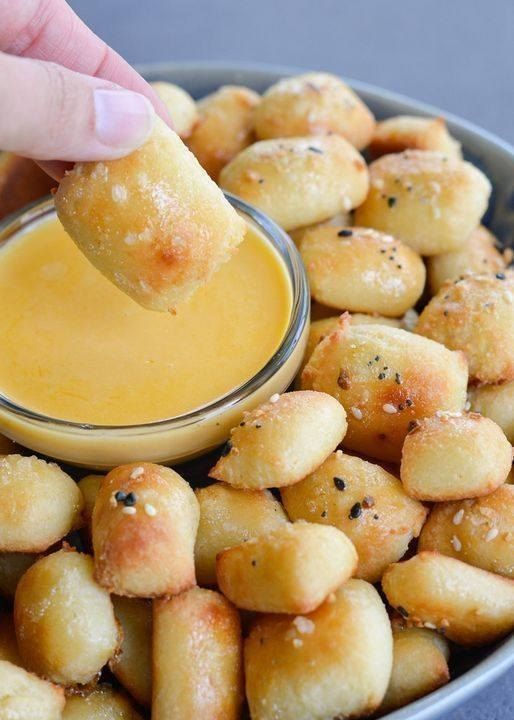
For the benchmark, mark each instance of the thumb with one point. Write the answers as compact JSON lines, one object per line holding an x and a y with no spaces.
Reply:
{"x":52,"y":113}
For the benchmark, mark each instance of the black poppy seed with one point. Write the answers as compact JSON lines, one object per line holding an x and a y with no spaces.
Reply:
{"x":375,"y":517}
{"x":258,"y":426}
{"x":383,"y":251}
{"x":340,"y":483}
{"x":254,"y":563}
{"x":446,"y":297}
{"x":356,"y":511}
{"x":445,"y":313}
{"x":401,"y":407}
{"x":381,"y":376}
{"x":130,"y":500}
{"x":391,"y":257}
{"x":403,"y":612}
{"x":397,"y":379}
{"x":500,"y":276}
{"x":345,"y":233}
{"x":391,"y":201}
{"x":120,"y":496}
{"x":226,"y":448}
{"x":399,"y":267}
{"x":386,"y":367}
{"x":324,"y":514}
{"x":242,"y":424}
{"x":377,"y":358}
{"x":408,"y":402}
{"x":315,"y":150}
{"x":260,"y":181}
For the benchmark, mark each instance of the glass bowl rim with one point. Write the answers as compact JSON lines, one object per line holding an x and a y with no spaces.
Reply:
{"x":288,"y":252}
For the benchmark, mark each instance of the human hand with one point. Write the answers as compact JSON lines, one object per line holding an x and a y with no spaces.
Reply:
{"x":65,"y":95}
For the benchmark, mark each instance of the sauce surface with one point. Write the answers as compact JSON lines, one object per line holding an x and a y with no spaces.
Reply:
{"x":75,"y":347}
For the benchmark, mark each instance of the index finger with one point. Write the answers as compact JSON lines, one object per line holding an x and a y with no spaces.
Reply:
{"x":50,"y":30}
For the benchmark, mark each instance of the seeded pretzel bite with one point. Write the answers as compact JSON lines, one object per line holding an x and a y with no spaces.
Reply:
{"x":314,"y":104}
{"x":224,"y":127}
{"x":428,"y":200}
{"x":334,"y":662}
{"x":180,"y":105}
{"x":385,"y":378}
{"x":479,"y":532}
{"x":102,"y":703}
{"x":153,"y":222}
{"x":228,"y":517}
{"x":364,"y":501}
{"x":39,"y":504}
{"x":281,"y":441}
{"x":475,"y":315}
{"x":12,"y":567}
{"x":362,"y":270}
{"x":471,"y":606}
{"x":197,"y":657}
{"x":64,"y":620}
{"x":477,"y":255}
{"x":407,"y":132}
{"x":343,"y":219}
{"x":144,"y":529}
{"x":420,"y":666}
{"x":21,"y":182}
{"x":132,"y":665}
{"x":8,"y":645}
{"x":23,"y":695}
{"x":289,"y":570}
{"x":453,"y":456}
{"x":497,"y":403}
{"x":299,"y":181}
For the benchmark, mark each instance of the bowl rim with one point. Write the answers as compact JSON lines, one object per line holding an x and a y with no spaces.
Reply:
{"x":500,"y":659}
{"x":299,"y":316}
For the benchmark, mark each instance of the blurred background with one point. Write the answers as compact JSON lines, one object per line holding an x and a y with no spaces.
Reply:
{"x":456,"y":54}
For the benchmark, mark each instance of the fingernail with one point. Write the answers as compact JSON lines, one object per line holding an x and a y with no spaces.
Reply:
{"x":123,"y":119}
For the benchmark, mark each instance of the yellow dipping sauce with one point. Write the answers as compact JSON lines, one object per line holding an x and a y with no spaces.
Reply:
{"x":75,"y":347}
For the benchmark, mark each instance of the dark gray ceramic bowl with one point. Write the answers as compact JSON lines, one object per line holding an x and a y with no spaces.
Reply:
{"x":472,"y":670}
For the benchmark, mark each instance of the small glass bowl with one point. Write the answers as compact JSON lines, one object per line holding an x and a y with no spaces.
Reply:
{"x":179,"y":438}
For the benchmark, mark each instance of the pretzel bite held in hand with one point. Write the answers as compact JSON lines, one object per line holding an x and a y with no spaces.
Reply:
{"x":132,"y":665}
{"x":24,"y":696}
{"x":197,"y":657}
{"x":385,"y":378}
{"x":475,"y":315}
{"x":471,"y":606}
{"x":153,"y":222}
{"x":314,"y":104}
{"x":407,"y":132}
{"x":180,"y":105}
{"x":497,"y":403}
{"x":477,"y":255}
{"x":64,"y":620}
{"x":335,"y":662}
{"x":144,"y":529}
{"x":453,"y":456}
{"x":364,"y":501}
{"x":420,"y":666}
{"x":228,"y":517}
{"x":101,"y":703}
{"x":299,"y":181}
{"x":289,"y":570}
{"x":479,"y":531}
{"x":426,"y":199}
{"x":224,"y":127}
{"x":39,"y":504}
{"x":362,"y":270}
{"x":281,"y":441}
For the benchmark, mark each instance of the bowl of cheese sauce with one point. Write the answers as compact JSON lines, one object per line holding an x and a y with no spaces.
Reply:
{"x":90,"y":377}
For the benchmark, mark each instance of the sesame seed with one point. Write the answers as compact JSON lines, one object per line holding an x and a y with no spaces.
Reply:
{"x":493,"y":532}
{"x":458,"y":517}
{"x":430,"y":626}
{"x":456,"y":543}
{"x":137,"y":472}
{"x":112,"y":501}
{"x":150,"y":510}
{"x":274,"y":398}
{"x":303,"y":625}
{"x":389,"y":409}
{"x":297,"y":643}
{"x":129,"y":510}
{"x":357,"y":414}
